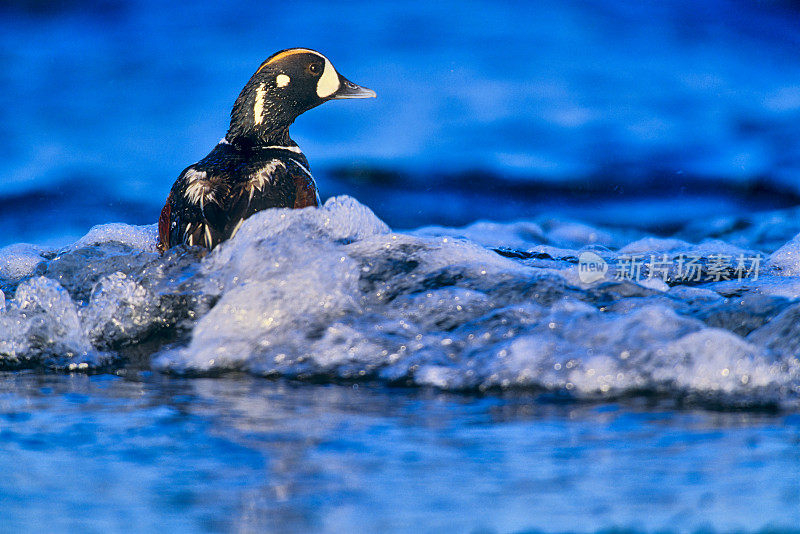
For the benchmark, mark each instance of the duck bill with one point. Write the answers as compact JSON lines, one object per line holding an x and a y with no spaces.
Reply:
{"x":348,"y":89}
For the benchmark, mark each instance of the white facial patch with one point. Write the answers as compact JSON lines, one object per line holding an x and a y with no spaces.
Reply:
{"x":329,"y":81}
{"x":258,"y":107}
{"x":282,"y":80}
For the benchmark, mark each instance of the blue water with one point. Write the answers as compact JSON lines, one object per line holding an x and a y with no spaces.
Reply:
{"x":244,"y":454}
{"x":641,"y":119}
{"x":104,"y":103}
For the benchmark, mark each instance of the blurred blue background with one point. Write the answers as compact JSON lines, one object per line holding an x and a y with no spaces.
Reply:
{"x":648,"y":113}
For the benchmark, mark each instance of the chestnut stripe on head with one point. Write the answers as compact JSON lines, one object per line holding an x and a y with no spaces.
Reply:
{"x":290,"y":52}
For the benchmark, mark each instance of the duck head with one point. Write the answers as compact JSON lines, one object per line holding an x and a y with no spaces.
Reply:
{"x":286,"y":85}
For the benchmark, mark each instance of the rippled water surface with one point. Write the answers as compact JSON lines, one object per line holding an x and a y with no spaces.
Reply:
{"x":146,"y":453}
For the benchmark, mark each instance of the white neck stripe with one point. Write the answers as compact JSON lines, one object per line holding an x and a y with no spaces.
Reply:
{"x":295,"y":149}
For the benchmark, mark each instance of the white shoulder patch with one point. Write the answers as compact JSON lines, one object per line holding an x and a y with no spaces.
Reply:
{"x":263,"y":177}
{"x":199,"y":189}
{"x":282,"y":80}
{"x":329,"y":81}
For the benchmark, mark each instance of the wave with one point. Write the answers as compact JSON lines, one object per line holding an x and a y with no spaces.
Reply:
{"x":334,"y":294}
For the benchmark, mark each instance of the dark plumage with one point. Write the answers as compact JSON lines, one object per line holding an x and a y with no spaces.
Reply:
{"x":257,"y":165}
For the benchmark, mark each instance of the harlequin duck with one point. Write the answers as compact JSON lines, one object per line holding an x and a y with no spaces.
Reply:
{"x":256,"y":165}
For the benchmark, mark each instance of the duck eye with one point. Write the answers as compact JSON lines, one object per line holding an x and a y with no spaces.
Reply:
{"x":315,"y":68}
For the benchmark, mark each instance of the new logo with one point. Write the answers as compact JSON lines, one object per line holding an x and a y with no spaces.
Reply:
{"x":591,"y":267}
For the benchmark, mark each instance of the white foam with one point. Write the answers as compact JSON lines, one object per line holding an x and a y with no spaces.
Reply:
{"x":521,"y":235}
{"x":333,"y":293}
{"x":19,"y":261}
{"x":786,"y":260}
{"x":714,"y":360}
{"x":42,"y":322}
{"x":654,"y":245}
{"x":143,"y":238}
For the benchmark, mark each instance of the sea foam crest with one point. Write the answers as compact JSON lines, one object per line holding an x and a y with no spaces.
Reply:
{"x":332,"y":293}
